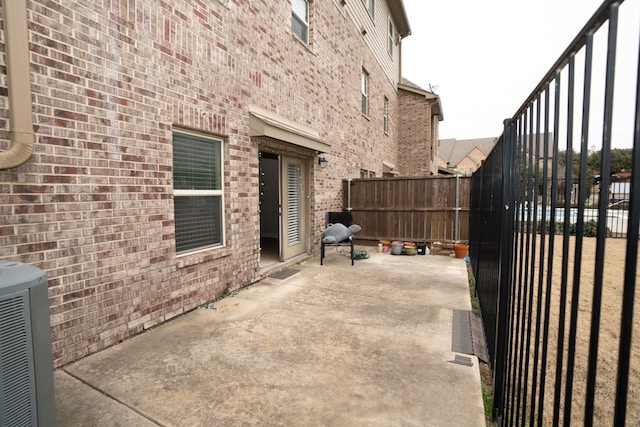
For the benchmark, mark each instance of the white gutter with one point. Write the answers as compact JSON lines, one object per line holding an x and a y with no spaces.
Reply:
{"x":19,"y":84}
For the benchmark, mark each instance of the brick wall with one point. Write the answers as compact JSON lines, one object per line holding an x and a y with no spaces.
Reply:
{"x":93,"y":207}
{"x":415,"y":149}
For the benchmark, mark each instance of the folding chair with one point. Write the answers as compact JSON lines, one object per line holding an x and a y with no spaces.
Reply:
{"x":344,"y":218}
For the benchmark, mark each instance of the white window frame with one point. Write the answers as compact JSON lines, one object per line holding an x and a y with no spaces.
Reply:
{"x":385,"y":115}
{"x":371,"y":7}
{"x":364,"y":89}
{"x":390,"y":37}
{"x":177,"y":193}
{"x":303,"y":21}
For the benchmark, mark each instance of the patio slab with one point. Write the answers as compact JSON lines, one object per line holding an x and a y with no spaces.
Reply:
{"x":332,"y":345}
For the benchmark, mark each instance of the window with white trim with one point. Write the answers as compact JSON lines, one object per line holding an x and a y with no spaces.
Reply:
{"x":364,"y":87}
{"x":367,"y":174}
{"x":300,"y":19}
{"x":385,"y":115}
{"x":390,"y":34}
{"x":371,"y":7}
{"x":197,"y":191}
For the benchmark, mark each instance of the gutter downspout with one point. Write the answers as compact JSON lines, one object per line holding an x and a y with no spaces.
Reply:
{"x":19,"y":85}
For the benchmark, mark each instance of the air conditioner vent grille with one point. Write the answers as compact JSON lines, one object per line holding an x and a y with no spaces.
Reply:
{"x":17,"y":383}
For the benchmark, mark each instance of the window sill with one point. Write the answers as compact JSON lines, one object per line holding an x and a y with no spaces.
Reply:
{"x":306,"y":45}
{"x":205,"y":255}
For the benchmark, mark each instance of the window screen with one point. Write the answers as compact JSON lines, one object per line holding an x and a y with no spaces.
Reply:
{"x":197,"y":191}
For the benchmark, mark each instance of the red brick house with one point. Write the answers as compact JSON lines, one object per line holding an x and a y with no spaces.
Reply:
{"x":154,"y":152}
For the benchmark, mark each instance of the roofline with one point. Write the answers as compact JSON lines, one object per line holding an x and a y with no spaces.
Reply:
{"x":430,"y":96}
{"x":399,"y":15}
{"x":415,"y":89}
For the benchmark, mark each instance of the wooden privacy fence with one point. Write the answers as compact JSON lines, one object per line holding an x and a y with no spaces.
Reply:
{"x":421,"y":209}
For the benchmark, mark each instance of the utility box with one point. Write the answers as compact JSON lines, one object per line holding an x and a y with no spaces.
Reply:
{"x":26,"y":362}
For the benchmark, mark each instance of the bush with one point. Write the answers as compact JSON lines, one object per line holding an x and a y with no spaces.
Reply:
{"x":547,"y":227}
{"x":590,"y":228}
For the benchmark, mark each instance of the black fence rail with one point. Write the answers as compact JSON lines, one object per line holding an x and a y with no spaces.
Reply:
{"x":617,"y":207}
{"x":557,"y":290}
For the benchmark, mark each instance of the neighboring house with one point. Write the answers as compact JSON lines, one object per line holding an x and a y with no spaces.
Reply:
{"x":181,"y":147}
{"x":420,"y":114}
{"x":463,"y":156}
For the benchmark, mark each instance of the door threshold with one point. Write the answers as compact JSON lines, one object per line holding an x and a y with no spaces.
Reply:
{"x":274,"y":268}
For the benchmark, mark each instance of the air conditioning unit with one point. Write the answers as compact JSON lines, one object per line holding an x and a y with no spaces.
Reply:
{"x":26,"y":367}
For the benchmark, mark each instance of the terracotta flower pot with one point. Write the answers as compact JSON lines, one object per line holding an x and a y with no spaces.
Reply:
{"x":461,"y":250}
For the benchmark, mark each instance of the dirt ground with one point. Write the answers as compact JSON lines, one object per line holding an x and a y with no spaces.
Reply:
{"x":610,"y":323}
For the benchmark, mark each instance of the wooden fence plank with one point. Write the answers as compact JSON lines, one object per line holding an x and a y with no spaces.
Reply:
{"x":419,"y":209}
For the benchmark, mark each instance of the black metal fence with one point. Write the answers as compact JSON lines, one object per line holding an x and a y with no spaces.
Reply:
{"x":557,"y":291}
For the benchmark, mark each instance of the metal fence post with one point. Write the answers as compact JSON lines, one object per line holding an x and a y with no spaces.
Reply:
{"x":506,"y":258}
{"x":457,"y":226}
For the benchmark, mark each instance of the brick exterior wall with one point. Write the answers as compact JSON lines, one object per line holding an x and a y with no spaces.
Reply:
{"x":471,"y":162}
{"x":93,"y":206}
{"x":416,"y":148}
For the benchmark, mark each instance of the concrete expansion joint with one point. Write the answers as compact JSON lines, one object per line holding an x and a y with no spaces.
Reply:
{"x":115,"y":399}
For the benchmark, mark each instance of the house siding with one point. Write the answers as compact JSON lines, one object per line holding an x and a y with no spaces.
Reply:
{"x":376,"y":35}
{"x":93,"y":206}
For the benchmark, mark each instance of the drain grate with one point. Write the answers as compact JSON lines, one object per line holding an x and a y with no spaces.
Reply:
{"x":468,"y":335}
{"x":283,"y":274}
{"x":461,"y":339}
{"x":463,"y":360}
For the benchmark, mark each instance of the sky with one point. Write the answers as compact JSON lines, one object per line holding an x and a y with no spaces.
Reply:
{"x":486,"y":57}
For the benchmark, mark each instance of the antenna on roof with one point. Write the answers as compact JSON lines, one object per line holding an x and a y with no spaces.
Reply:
{"x":433,"y":88}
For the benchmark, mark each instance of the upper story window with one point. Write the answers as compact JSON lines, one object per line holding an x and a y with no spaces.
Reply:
{"x":300,"y":19}
{"x":371,"y":6}
{"x":390,"y":35}
{"x":365,"y":92}
{"x":385,"y":115}
{"x":197,"y":192}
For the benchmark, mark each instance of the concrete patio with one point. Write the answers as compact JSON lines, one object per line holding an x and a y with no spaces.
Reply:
{"x":332,"y":345}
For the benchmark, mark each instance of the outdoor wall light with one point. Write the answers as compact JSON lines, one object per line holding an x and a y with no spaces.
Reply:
{"x":322,"y":161}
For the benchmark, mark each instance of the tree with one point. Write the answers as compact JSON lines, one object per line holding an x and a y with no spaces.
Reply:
{"x":621,"y":160}
{"x":575,"y":169}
